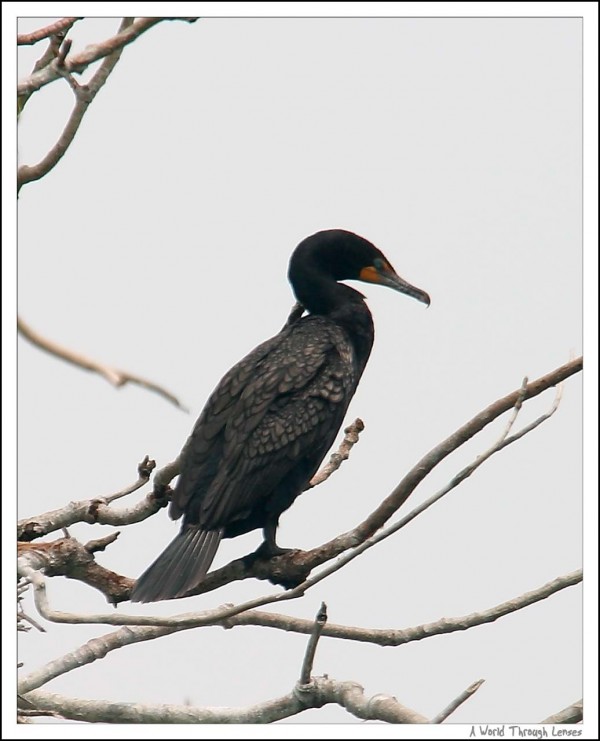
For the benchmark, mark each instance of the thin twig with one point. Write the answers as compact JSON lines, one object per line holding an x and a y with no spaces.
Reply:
{"x":457,"y":702}
{"x":351,"y":434}
{"x":405,"y":488}
{"x":22,"y":587}
{"x":22,"y":615}
{"x":145,"y":468}
{"x":92,"y":510}
{"x":499,"y":445}
{"x":60,"y":26}
{"x":114,"y":376}
{"x":311,"y":648}
{"x":65,"y":48}
{"x":100,"y":544}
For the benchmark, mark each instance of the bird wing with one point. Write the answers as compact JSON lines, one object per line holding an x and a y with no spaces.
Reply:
{"x":277,"y":410}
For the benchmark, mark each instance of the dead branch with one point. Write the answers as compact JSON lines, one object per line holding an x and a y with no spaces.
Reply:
{"x":98,"y":648}
{"x":321,"y":691}
{"x":74,"y":560}
{"x":61,"y":26}
{"x":458,"y":701}
{"x":396,"y":637}
{"x":293,"y":568}
{"x":311,"y":648}
{"x":502,"y":442}
{"x":43,"y":556}
{"x":84,"y":95}
{"x":22,"y":616}
{"x":414,"y":477}
{"x":571,"y":714}
{"x":114,"y":376}
{"x":90,"y":511}
{"x":290,"y":568}
{"x":166,"y":474}
{"x":79,"y":62}
{"x":95,"y":510}
{"x":336,"y":459}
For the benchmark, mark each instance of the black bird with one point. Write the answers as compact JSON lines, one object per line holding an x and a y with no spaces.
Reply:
{"x":269,"y":423}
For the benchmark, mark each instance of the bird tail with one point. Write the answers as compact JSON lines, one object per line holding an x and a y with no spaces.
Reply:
{"x":181,"y":566}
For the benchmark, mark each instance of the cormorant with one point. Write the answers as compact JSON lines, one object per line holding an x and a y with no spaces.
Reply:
{"x":270,"y":421}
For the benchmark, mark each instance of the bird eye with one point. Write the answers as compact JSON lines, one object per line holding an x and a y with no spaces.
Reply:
{"x":379,"y":263}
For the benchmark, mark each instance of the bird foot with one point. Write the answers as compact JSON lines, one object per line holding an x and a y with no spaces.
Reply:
{"x":283,"y":573}
{"x":270,"y":550}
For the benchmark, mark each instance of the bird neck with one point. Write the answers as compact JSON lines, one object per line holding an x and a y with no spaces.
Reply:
{"x":323,"y":296}
{"x":354,"y":317}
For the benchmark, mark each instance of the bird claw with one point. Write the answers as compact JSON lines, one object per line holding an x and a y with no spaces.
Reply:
{"x":270,"y":550}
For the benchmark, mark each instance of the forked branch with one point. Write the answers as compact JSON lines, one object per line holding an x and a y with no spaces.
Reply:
{"x":80,"y":61}
{"x":293,"y":568}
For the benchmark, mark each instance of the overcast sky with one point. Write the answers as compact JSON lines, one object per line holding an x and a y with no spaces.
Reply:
{"x":160,"y":244}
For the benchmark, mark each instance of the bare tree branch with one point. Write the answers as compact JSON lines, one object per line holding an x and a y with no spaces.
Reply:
{"x":114,"y":376}
{"x":166,"y":474}
{"x":51,"y":52}
{"x":79,"y":62}
{"x":321,"y":691}
{"x":279,"y":569}
{"x":502,"y":442}
{"x":98,"y":648}
{"x":95,"y":510}
{"x":91,"y":651}
{"x":36,"y":557}
{"x":571,"y":714}
{"x":145,"y":468}
{"x":22,"y":616}
{"x":294,"y":567}
{"x":457,"y":702}
{"x":414,"y":477}
{"x":336,"y":459}
{"x":84,"y":95}
{"x":90,"y":511}
{"x":395,"y":637}
{"x":23,"y":715}
{"x":311,"y":648}
{"x":61,"y":26}
{"x":70,"y":558}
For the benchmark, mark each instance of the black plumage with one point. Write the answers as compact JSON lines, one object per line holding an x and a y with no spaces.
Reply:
{"x":271,"y":420}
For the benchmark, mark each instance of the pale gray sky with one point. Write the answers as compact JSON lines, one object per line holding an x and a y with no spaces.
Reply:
{"x":160,"y":244}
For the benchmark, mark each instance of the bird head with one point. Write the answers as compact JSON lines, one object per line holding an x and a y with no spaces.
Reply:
{"x":343,"y":255}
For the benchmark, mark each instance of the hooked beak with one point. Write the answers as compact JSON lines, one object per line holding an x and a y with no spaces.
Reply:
{"x":386,"y":276}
